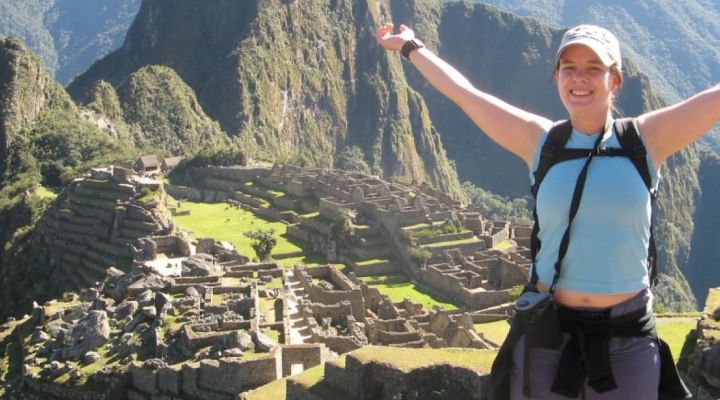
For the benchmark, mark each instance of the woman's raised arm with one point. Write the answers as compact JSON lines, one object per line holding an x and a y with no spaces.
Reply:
{"x":670,"y":129}
{"x":514,"y":129}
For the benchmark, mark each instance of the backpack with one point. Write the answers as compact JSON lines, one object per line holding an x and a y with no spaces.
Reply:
{"x":554,"y":151}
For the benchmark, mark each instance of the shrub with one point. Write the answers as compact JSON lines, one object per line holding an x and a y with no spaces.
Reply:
{"x":419,"y":255}
{"x":263,"y":241}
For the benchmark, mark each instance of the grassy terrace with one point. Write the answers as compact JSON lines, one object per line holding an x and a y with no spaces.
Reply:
{"x":222,"y":222}
{"x":495,"y":331}
{"x":679,"y":333}
{"x":505,"y":244}
{"x":45,"y":193}
{"x":277,"y":389}
{"x":407,"y":360}
{"x":454,"y":242}
{"x":399,"y":291}
{"x":403,"y":359}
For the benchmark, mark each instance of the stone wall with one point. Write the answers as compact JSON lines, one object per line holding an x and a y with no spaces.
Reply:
{"x":184,"y":193}
{"x":92,"y":226}
{"x":380,"y":381}
{"x":309,"y":355}
{"x":209,"y":379}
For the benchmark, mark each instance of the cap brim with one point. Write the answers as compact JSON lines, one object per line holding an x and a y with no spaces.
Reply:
{"x":596,"y":47}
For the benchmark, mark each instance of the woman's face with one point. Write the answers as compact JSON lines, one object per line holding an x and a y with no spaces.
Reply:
{"x":585,"y":84}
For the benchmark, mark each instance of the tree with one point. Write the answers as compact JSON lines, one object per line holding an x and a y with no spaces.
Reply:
{"x":263,"y":242}
{"x":352,"y":158}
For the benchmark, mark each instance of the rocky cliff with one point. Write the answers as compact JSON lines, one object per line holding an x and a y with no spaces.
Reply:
{"x":290,"y":81}
{"x":26,"y":90}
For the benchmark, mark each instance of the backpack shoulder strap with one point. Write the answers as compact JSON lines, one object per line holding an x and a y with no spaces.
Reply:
{"x":554,"y":145}
{"x":627,"y":133}
{"x":630,"y":141}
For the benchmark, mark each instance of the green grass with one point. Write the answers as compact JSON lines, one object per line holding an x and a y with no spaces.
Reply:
{"x":675,"y":331}
{"x":267,"y":307}
{"x":505,"y":245}
{"x":275,"y":390}
{"x":274,"y":335}
{"x":422,"y":225}
{"x":274,"y":284}
{"x":222,"y":222}
{"x":310,"y":260}
{"x":383,"y":279}
{"x":453,"y":242}
{"x":409,"y":359}
{"x":495,"y":331}
{"x":45,"y":193}
{"x":372,"y":262}
{"x":398,"y":291}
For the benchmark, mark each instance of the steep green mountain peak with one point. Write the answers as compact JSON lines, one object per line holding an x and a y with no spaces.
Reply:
{"x":26,"y":89}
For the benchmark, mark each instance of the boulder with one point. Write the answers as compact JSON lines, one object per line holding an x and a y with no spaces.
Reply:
{"x":90,"y":333}
{"x":39,"y":336}
{"x":199,"y":265}
{"x":146,"y":298}
{"x":90,"y":357}
{"x":89,"y":294}
{"x":149,"y":312}
{"x":233,"y":352}
{"x":263,"y":344}
{"x":154,"y":364}
{"x":126,"y":308}
{"x":163,"y":303}
{"x":711,"y":366}
{"x":244,"y":341}
{"x":151,"y":282}
{"x":57,"y":329}
{"x":192,"y":292}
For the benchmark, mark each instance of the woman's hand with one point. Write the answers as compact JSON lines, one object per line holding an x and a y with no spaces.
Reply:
{"x":394,"y":42}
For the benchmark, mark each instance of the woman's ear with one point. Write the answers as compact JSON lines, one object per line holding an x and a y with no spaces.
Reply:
{"x":616,"y":82}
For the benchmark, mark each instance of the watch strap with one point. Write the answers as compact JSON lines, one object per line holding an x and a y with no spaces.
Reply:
{"x":410,"y":46}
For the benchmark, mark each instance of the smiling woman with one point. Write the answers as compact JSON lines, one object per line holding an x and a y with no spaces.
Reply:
{"x":582,"y":178}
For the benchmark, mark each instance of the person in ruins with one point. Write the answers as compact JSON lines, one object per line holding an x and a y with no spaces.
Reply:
{"x":584,"y":327}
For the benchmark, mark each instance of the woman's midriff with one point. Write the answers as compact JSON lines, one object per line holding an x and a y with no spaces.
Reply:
{"x":575,"y":299}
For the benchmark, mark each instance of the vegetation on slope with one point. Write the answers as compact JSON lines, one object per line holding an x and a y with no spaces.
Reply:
{"x":45,"y":142}
{"x":165,"y":113}
{"x":291,"y":83}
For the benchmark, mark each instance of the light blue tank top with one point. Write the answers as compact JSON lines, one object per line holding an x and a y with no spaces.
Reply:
{"x":609,"y":236}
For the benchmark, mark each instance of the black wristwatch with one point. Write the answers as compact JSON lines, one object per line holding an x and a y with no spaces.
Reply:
{"x":410,"y":46}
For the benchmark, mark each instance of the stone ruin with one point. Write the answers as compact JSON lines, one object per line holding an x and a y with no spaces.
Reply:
{"x":346,"y":314}
{"x":199,"y":329}
{"x":92,"y":224}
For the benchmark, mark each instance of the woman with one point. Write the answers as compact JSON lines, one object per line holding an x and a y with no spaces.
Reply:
{"x":604,"y":271}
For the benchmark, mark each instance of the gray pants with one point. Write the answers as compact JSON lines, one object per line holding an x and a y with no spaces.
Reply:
{"x":635,"y":364}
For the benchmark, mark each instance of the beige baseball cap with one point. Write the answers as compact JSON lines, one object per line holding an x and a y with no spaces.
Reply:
{"x":599,"y":40}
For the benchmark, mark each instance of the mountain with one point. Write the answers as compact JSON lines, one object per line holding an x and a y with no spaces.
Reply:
{"x":68,"y":34}
{"x":159,"y":111}
{"x":25,"y":91}
{"x":676,"y":43}
{"x":289,"y":81}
